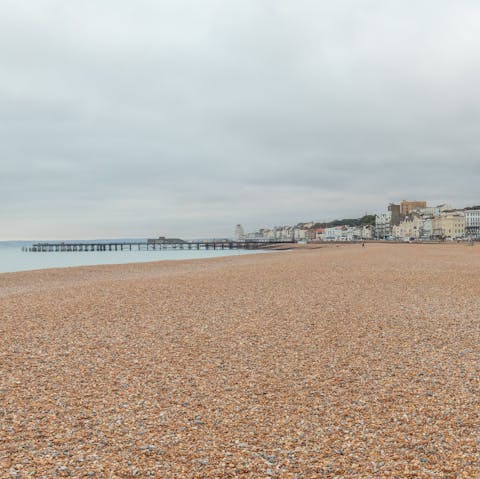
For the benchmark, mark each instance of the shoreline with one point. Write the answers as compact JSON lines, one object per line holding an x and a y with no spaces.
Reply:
{"x":135,"y":260}
{"x":332,"y":362}
{"x":270,"y":249}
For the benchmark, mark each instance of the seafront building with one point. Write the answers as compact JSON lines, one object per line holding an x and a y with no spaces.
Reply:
{"x":338,"y":233}
{"x":450,"y":224}
{"x":239,"y":232}
{"x":472,"y":223}
{"x":383,"y":225}
{"x":414,"y":220}
{"x":438,"y":210}
{"x":406,"y":221}
{"x":386,"y":222}
{"x":425,"y":222}
{"x":300,"y":234}
{"x":427,"y":228}
{"x":277,"y":233}
{"x":406,"y":207}
{"x":410,"y":228}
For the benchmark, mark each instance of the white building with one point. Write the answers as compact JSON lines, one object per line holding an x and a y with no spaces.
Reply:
{"x":427,"y":228}
{"x":363,"y":232}
{"x":450,"y":224}
{"x":383,"y":225}
{"x":472,"y":223}
{"x":367,"y":232}
{"x":441,"y":208}
{"x":239,"y":233}
{"x":410,"y":228}
{"x":332,"y":234}
{"x":426,"y":211}
{"x":338,"y":233}
{"x":300,"y":234}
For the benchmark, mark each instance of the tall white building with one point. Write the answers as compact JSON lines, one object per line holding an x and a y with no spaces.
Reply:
{"x":239,"y":233}
{"x":472,"y":223}
{"x":383,"y":225}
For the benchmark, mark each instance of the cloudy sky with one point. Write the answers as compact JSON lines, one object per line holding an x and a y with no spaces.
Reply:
{"x":185,"y":117}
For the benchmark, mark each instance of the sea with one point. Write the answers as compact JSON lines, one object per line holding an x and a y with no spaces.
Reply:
{"x":12,"y":258}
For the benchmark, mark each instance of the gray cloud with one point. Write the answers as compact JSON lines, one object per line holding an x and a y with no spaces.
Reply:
{"x":184,"y":117}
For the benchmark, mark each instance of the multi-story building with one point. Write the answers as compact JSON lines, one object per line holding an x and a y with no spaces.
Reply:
{"x":338,"y":233}
{"x":439,"y":209}
{"x":319,"y":234}
{"x":427,"y":211}
{"x":427,"y":227}
{"x":300,"y":234}
{"x":286,"y":233}
{"x":333,"y":234}
{"x":395,"y":212}
{"x":239,"y":233}
{"x":310,"y":234}
{"x":450,"y":224}
{"x":383,"y":225}
{"x":252,"y":235}
{"x":367,"y":232}
{"x":410,"y":228}
{"x":384,"y":222}
{"x":472,"y":222}
{"x":278,"y":233}
{"x":406,"y":207}
{"x":362,"y":232}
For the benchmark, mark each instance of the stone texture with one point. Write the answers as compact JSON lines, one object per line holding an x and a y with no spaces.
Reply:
{"x":334,"y":362}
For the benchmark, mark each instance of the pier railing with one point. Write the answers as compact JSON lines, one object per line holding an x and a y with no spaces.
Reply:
{"x":149,"y":246}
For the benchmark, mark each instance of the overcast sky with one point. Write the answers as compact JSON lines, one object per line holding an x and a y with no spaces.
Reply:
{"x":182,"y":118}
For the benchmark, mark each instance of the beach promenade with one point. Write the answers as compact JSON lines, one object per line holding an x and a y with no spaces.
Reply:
{"x":340,"y":361}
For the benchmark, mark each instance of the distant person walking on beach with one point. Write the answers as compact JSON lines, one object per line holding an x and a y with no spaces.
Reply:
{"x":363,"y":244}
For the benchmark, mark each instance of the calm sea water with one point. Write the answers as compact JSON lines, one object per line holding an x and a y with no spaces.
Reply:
{"x":12,"y":258}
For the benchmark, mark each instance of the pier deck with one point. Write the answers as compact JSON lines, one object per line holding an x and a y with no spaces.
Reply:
{"x":148,"y":246}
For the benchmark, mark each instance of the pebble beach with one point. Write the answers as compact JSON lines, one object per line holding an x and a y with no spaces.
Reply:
{"x":333,"y":362}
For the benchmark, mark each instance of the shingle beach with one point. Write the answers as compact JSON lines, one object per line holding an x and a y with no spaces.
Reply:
{"x":331,"y":362}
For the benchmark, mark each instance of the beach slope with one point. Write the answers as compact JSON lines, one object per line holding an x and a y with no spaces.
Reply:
{"x":334,"y":362}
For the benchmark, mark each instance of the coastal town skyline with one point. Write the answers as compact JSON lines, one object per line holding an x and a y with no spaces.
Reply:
{"x":405,"y":220}
{"x":381,"y":221}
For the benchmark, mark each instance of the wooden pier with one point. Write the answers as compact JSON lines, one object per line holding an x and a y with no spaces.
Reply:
{"x":149,"y":246}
